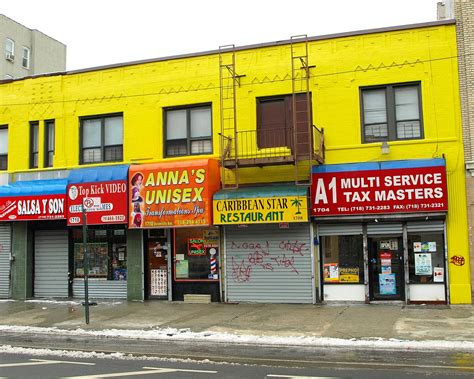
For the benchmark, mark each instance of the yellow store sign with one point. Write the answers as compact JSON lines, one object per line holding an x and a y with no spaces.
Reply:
{"x":262,"y":210}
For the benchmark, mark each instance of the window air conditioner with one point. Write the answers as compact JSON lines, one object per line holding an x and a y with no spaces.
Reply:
{"x":10,"y":57}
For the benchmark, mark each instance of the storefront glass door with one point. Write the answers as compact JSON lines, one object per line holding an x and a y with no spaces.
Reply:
{"x":386,"y":274}
{"x":158,"y":268}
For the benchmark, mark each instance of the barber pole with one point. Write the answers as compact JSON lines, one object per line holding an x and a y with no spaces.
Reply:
{"x":213,"y":265}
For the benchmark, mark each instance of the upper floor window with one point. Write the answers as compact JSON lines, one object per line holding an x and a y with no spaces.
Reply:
{"x":48,"y":143}
{"x":34,"y":144}
{"x":101,"y":139}
{"x":26,"y":57}
{"x":275,"y":122}
{"x":3,"y":147}
{"x":9,"y":49}
{"x":188,"y":131}
{"x":391,"y":112}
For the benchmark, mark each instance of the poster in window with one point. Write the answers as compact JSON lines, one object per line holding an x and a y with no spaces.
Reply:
{"x":387,"y":284}
{"x":389,"y":244}
{"x":211,"y":238}
{"x":349,"y":274}
{"x":386,"y":269}
{"x":432,"y":247}
{"x":417,"y":247}
{"x":196,"y":247}
{"x":331,"y":272}
{"x":438,"y":274}
{"x":386,"y":258}
{"x":182,"y":269}
{"x":423,"y":264}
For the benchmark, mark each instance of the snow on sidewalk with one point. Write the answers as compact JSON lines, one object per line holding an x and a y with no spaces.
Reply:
{"x":172,"y":334}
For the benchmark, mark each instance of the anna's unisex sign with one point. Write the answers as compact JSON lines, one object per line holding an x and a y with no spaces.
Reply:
{"x":362,"y":189}
{"x":37,"y":207}
{"x":105,"y":202}
{"x":172,"y":194}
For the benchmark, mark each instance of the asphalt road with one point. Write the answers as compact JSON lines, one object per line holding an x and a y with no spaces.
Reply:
{"x":36,"y":364}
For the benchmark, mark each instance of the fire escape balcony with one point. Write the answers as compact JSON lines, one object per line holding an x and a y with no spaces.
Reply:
{"x":258,"y":148}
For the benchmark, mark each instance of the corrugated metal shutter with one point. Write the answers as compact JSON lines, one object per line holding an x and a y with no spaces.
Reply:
{"x":51,"y":263}
{"x":382,"y":228}
{"x":101,"y":289}
{"x":339,"y":229}
{"x":266,"y":264}
{"x":5,"y":250}
{"x":425,"y":226}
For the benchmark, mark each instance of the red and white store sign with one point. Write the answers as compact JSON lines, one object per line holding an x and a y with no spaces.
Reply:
{"x":105,"y":202}
{"x":39,"y":207}
{"x":399,"y":190}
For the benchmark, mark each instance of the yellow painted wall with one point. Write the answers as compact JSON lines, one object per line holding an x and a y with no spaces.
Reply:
{"x":343,"y":65}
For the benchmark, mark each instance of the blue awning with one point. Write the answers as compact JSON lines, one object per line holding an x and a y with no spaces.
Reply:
{"x":34,"y":187}
{"x":382,"y":165}
{"x":98,"y":174}
{"x":261,"y":191}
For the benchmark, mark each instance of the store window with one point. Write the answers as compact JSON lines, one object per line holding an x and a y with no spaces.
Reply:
{"x":188,"y":131}
{"x":49,"y":143}
{"x":101,"y":139}
{"x":107,"y":250}
{"x":343,"y":259}
{"x":34,"y":144}
{"x":391,"y":112}
{"x":3,"y":147}
{"x":426,"y":257}
{"x":196,"y":254}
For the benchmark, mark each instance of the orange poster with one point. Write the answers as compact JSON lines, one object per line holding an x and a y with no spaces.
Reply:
{"x":172,"y":194}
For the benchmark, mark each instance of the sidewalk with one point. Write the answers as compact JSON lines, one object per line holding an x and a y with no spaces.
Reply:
{"x":357,"y":325}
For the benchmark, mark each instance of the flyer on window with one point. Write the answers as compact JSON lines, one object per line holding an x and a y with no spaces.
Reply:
{"x":331,"y":272}
{"x":387,"y":284}
{"x":423,"y":264}
{"x":438,"y":274}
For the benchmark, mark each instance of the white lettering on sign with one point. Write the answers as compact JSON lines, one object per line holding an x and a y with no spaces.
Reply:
{"x":321,"y":195}
{"x":38,"y":207}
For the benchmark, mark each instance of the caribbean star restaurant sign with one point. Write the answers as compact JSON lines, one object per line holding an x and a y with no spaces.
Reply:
{"x":172,"y":194}
{"x":105,"y":202}
{"x":262,"y":210}
{"x":379,"y":187}
{"x":37,"y":207}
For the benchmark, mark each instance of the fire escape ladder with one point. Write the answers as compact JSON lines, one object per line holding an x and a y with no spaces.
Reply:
{"x":228,"y":82}
{"x":302,"y":143}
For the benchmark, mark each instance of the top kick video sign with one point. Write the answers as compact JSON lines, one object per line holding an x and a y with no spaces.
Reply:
{"x":394,"y":190}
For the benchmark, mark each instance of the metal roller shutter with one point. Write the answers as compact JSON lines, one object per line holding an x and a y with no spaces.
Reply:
{"x":266,"y":264}
{"x":339,"y":229}
{"x":425,"y":226}
{"x":51,"y":263}
{"x":384,"y":228}
{"x":101,"y":289}
{"x":5,"y":250}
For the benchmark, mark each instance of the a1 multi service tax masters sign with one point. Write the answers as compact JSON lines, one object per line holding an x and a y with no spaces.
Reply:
{"x":379,"y":187}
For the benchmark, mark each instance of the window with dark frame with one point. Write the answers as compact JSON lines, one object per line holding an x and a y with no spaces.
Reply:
{"x":3,"y":147}
{"x":275,"y":122}
{"x":49,"y":134}
{"x":34,"y":144}
{"x":391,"y":112}
{"x":101,"y":139}
{"x":188,"y":130}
